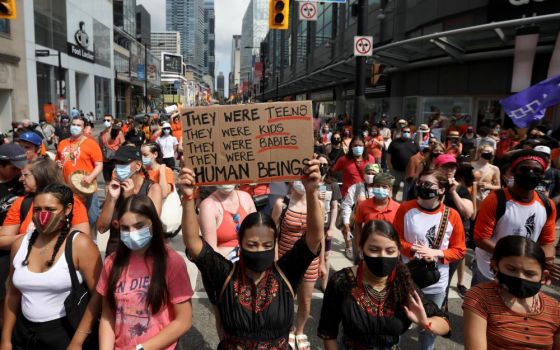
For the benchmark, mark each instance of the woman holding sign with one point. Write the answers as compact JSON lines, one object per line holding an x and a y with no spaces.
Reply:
{"x":254,"y":297}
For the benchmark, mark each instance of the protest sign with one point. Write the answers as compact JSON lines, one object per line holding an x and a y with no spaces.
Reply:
{"x":249,"y":143}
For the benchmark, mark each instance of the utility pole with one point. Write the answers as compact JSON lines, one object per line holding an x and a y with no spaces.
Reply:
{"x":145,"y":78}
{"x":361,"y":12}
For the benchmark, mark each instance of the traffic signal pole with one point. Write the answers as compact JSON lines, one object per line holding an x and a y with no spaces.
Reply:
{"x":359,"y":90}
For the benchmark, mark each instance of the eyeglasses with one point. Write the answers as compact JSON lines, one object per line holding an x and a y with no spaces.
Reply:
{"x":426,"y":184}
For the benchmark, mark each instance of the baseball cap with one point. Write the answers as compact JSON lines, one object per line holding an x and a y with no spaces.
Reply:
{"x":31,"y":137}
{"x":543,"y":149}
{"x":166,"y":125}
{"x":372,"y":167}
{"x":445,"y":159}
{"x":383,"y":179}
{"x":14,"y":154}
{"x":127,"y":154}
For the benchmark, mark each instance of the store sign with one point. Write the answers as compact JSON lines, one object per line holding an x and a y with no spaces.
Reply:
{"x":501,"y":10}
{"x":80,"y":49}
{"x":171,"y":63}
{"x":152,"y":72}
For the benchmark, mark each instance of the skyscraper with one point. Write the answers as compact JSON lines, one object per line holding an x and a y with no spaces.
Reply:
{"x":235,"y":69}
{"x":220,"y":85}
{"x":187,"y":18}
{"x":254,"y":29}
{"x":166,"y":42}
{"x":209,"y":38}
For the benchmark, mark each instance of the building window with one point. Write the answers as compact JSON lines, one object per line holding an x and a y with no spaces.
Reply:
{"x":301,"y":53}
{"x":47,"y":86}
{"x":102,"y":97}
{"x":4,"y":27}
{"x":102,"y":44}
{"x":50,"y":23}
{"x":324,"y":24}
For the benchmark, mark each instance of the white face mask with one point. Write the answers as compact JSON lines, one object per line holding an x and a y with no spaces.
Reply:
{"x":369,"y":179}
{"x":106,"y":124}
{"x":298,"y":187}
{"x":226,"y":188}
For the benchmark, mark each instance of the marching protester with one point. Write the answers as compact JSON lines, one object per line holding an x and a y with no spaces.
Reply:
{"x":431,"y":233}
{"x":110,"y":139}
{"x":512,"y":312}
{"x":32,"y":143}
{"x":49,"y":132}
{"x":36,"y":312}
{"x":353,"y":164}
{"x":144,"y":284}
{"x":255,"y":296}
{"x":158,"y":172}
{"x":399,"y":153}
{"x":469,"y":140}
{"x":220,"y":218}
{"x":168,"y":144}
{"x":130,"y":178}
{"x":377,"y":300}
{"x":487,"y":175}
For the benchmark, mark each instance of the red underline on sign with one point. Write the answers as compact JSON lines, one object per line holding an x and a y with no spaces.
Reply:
{"x":273,"y":134}
{"x":266,"y":149}
{"x":274,"y":120}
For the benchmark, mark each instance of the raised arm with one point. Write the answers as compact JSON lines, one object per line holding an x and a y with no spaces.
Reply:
{"x":191,"y":230}
{"x":315,"y":231}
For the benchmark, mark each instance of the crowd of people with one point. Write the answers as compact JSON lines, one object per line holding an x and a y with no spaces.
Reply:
{"x":409,"y":201}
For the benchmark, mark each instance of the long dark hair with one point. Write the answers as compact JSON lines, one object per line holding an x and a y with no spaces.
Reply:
{"x":157,"y":292}
{"x":257,"y":219}
{"x":350,"y":154}
{"x":45,"y":171}
{"x":519,"y":246}
{"x":402,"y":286}
{"x":65,"y":197}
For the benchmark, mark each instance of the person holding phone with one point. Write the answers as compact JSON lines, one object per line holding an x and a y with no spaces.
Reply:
{"x":130,"y":178}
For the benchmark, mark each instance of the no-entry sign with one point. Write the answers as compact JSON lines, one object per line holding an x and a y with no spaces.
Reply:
{"x":363,"y":45}
{"x":307,"y":11}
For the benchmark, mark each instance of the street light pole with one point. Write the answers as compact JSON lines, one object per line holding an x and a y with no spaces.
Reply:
{"x":359,"y":99}
{"x":145,"y":78}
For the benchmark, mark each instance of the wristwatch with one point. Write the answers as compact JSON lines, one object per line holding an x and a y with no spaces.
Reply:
{"x":139,"y":347}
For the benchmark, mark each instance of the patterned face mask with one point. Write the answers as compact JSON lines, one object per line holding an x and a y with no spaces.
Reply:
{"x":47,"y":222}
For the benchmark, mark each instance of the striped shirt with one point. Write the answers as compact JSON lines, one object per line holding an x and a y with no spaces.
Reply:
{"x":293,"y":227}
{"x":509,"y":330}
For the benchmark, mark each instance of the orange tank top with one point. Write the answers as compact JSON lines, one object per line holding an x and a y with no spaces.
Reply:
{"x":227,"y":232}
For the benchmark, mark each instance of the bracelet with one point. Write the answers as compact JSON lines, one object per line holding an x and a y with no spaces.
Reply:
{"x":83,"y":332}
{"x":193,"y":196}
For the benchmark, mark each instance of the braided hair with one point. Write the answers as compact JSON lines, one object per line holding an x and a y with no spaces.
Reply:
{"x":66,"y":197}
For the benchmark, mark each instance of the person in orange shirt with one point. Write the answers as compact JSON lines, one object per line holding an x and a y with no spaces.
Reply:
{"x":35,"y":176}
{"x":157,"y":171}
{"x":431,"y":231}
{"x":380,"y":207}
{"x":376,"y":144}
{"x":81,"y":152}
{"x":176,"y":127}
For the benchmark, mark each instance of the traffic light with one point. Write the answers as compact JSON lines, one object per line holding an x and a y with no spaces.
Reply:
{"x":7,"y":9}
{"x":376,"y":73}
{"x":278,"y":14}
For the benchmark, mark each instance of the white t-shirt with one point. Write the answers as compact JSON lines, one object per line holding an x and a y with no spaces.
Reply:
{"x":167,"y":144}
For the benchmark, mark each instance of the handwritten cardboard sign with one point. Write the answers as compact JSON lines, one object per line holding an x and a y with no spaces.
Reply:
{"x":250,"y":143}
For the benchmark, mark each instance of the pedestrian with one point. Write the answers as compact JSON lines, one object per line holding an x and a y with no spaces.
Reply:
{"x":62,"y":130}
{"x":512,"y":312}
{"x":81,"y":153}
{"x":398,"y":155}
{"x":110,"y":139}
{"x":376,"y":301}
{"x":385,"y":132}
{"x":469,"y":141}
{"x":255,"y":297}
{"x":346,"y":139}
{"x":168,"y":144}
{"x":130,"y":178}
{"x":486,"y":175}
{"x":144,"y":284}
{"x":356,"y":193}
{"x":353,"y":164}
{"x":433,"y":232}
{"x":376,"y":145}
{"x":146,"y":127}
{"x":400,"y":125}
{"x":517,"y":210}
{"x":423,"y":136}
{"x":49,"y":131}
{"x":453,"y":144}
{"x":158,"y":172}
{"x":39,"y":282}
{"x":32,"y":144}
{"x":336,"y":152}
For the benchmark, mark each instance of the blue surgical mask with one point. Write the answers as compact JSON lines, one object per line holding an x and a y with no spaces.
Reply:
{"x":122,"y":171}
{"x":380,"y":193}
{"x":298,"y":187}
{"x":138,"y":239}
{"x":146,"y":161}
{"x":406,"y":135}
{"x":75,"y":130}
{"x":358,"y":151}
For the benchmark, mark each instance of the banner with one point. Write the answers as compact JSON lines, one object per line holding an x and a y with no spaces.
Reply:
{"x":529,"y":105}
{"x":249,"y":143}
{"x":140,"y":72}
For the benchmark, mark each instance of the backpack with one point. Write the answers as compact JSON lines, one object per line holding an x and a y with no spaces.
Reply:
{"x":25,"y":207}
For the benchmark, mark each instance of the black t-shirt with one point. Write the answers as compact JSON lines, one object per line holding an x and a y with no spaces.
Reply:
{"x":401,"y":151}
{"x":62,"y":132}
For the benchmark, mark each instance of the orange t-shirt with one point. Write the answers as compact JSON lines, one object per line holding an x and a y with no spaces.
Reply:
{"x":82,"y":157}
{"x":12,"y":217}
{"x":367,"y":211}
{"x":154,"y":176}
{"x":374,"y":148}
{"x":177,"y":130}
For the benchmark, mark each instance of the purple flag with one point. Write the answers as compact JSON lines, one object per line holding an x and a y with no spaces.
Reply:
{"x":529,"y":105}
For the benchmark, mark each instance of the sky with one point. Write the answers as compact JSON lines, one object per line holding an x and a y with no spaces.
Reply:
{"x":229,"y":15}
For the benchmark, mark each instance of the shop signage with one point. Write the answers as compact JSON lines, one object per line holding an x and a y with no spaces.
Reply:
{"x":80,"y":49}
{"x":501,"y":10}
{"x":171,"y":63}
{"x":248,"y":143}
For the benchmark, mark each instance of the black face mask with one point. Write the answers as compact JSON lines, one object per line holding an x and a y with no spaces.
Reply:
{"x":324,"y":169}
{"x":258,"y":261}
{"x":426,"y":192}
{"x":381,"y":266}
{"x":335,"y":141}
{"x":527,"y":181}
{"x":518,"y":287}
{"x":487,"y":155}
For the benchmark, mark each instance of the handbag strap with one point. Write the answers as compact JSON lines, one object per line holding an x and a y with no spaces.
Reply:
{"x":442,"y":226}
{"x":360,"y":171}
{"x":70,"y":261}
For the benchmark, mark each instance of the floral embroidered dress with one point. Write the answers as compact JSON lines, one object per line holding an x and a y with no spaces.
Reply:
{"x":370,"y":321}
{"x":254,"y":317}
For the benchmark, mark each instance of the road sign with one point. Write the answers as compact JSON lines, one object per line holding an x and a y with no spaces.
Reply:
{"x":307,"y":11}
{"x":363,"y":45}
{"x":327,"y":1}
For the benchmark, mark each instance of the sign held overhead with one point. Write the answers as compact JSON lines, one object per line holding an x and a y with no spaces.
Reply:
{"x":249,"y":143}
{"x":363,"y":46}
{"x":307,"y":11}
